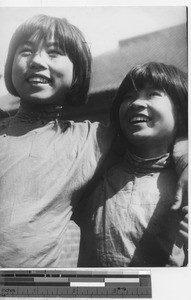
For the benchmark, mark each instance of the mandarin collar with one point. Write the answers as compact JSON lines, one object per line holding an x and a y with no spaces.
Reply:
{"x":57,"y":113}
{"x":141,"y":165}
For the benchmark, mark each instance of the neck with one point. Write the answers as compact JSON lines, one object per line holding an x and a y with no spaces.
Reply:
{"x":150,"y":149}
{"x":43,"y":113}
{"x":31,"y":108}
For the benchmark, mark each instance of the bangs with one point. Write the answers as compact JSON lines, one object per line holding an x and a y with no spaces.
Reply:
{"x":42,"y":28}
{"x":153,"y":75}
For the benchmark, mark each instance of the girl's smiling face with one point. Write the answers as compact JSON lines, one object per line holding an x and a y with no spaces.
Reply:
{"x":42,"y":74}
{"x":148,"y":116}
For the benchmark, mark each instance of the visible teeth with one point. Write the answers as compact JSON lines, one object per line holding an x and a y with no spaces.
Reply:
{"x":38,"y":80}
{"x":139,"y":119}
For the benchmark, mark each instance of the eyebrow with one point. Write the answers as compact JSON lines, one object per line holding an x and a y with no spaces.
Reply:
{"x":154,"y":88}
{"x":130,"y":93}
{"x":54,"y":44}
{"x":27,"y":43}
{"x":31,"y":43}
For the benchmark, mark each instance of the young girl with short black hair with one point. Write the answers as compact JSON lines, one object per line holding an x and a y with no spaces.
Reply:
{"x":127,"y":220}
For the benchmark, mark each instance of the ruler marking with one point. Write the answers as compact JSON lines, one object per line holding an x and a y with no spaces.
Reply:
{"x":122,"y":284}
{"x":88,"y":284}
{"x":98,"y":284}
{"x":135,"y":280}
{"x":48,"y":279}
{"x":86,"y":279}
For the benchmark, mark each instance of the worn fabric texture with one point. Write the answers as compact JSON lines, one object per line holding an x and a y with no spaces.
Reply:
{"x":44,"y":167}
{"x":127,"y":221}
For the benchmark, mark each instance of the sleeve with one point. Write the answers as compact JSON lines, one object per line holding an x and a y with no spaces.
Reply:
{"x":116,"y":147}
{"x":180,"y":154}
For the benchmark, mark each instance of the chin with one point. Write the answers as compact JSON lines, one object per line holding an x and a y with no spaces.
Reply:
{"x":138,"y":139}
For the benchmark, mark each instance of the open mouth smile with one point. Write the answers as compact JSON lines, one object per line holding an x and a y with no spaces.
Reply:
{"x":139,"y":119}
{"x":38,"y":79}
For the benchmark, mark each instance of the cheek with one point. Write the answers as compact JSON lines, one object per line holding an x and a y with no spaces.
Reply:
{"x":18,"y":68}
{"x":64,"y":70}
{"x":15,"y":72}
{"x":171,"y":113}
{"x":168,"y":118}
{"x":123,"y":112}
{"x":173,"y":124}
{"x":69,"y":74}
{"x":70,"y":71}
{"x":122,"y":118}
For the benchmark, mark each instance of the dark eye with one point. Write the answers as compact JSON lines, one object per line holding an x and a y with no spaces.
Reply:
{"x":155,"y":94}
{"x":26,"y":51}
{"x":129,"y":97}
{"x":54,"y":52}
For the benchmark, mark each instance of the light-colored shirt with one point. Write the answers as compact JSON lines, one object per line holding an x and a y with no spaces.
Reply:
{"x":43,"y":170}
{"x":127,"y":221}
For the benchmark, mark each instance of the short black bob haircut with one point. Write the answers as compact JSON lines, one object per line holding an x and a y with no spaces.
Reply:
{"x":70,"y":39}
{"x":167,"y":78}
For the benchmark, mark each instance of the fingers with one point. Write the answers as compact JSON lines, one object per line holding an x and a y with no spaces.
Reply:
{"x":185,"y":210}
{"x":181,"y":197}
{"x":178,"y":199}
{"x":183,"y":228}
{"x":184,"y":236}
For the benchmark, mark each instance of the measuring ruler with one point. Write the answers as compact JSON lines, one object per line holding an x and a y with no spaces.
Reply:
{"x":71,"y":283}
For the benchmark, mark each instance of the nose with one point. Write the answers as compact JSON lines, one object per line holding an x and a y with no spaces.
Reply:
{"x":139,"y":104}
{"x":38,"y":61}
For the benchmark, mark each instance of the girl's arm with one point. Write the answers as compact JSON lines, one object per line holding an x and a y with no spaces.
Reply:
{"x":180,"y":156}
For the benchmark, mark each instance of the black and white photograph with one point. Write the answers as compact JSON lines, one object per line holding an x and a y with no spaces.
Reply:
{"x":94,"y":137}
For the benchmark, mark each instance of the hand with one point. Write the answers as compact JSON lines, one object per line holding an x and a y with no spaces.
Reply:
{"x":181,"y":197}
{"x":183,"y":229}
